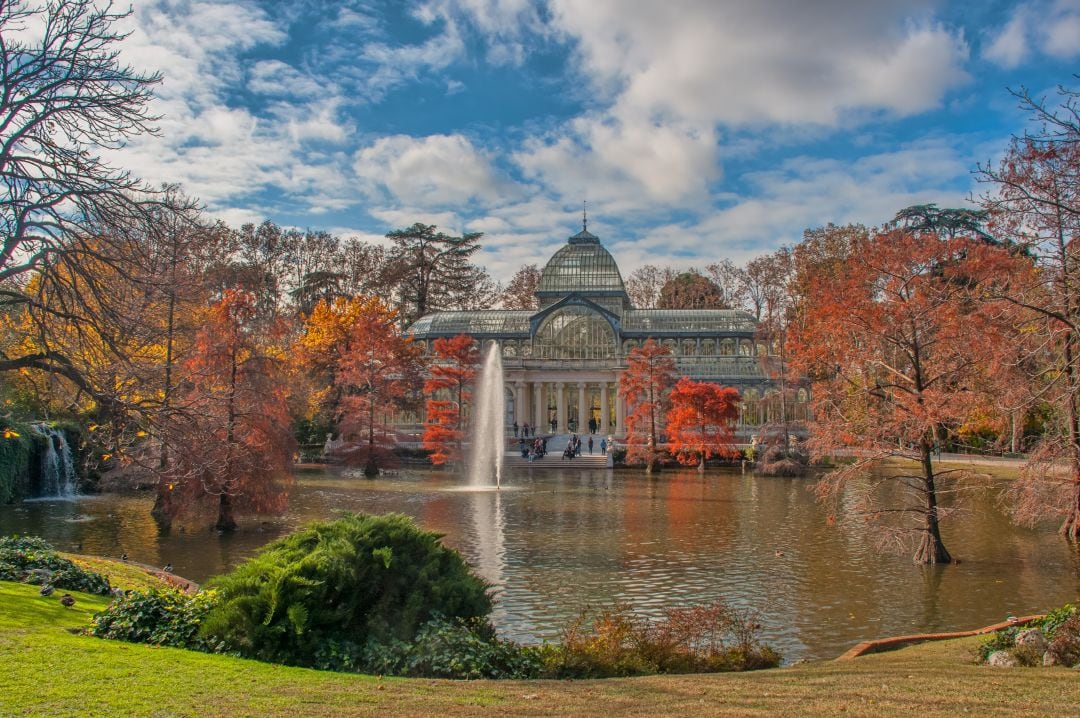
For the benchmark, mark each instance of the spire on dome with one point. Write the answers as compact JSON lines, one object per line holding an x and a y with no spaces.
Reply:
{"x":584,"y":236}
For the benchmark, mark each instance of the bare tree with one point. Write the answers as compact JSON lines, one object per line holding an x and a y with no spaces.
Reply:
{"x":644,"y":285}
{"x":728,"y":277}
{"x":520,"y":293}
{"x":1035,"y":208}
{"x":365,"y":267}
{"x":65,"y":97}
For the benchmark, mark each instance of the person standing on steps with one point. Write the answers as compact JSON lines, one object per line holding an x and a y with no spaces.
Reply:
{"x":515,"y":429}
{"x":590,"y":444}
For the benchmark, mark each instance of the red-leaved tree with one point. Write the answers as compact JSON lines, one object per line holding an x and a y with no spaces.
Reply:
{"x":896,"y":355}
{"x":644,"y":386}
{"x":454,"y":366}
{"x":375,"y":376}
{"x":701,"y":421}
{"x":1035,"y":210}
{"x":233,"y":420}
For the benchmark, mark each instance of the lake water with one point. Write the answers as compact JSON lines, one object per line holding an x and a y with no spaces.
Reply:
{"x":553,"y":542}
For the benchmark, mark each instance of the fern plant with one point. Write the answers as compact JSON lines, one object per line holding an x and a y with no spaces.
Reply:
{"x":343,"y":583}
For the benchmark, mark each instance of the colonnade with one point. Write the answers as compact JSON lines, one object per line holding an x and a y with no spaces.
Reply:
{"x":535,"y":401}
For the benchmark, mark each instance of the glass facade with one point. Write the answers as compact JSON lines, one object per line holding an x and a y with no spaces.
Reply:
{"x":574,"y":333}
{"x":564,"y":359}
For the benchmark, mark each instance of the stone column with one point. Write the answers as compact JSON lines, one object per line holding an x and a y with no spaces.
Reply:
{"x":560,"y":402}
{"x":582,"y":420}
{"x":539,"y":406}
{"x":605,"y":422}
{"x":519,"y":404}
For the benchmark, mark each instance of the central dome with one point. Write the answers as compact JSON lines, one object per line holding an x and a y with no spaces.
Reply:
{"x":583,"y":267}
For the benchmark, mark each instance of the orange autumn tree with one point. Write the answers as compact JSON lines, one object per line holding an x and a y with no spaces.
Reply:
{"x":375,"y":375}
{"x":701,"y":421}
{"x":322,"y":346}
{"x":644,"y":385}
{"x":232,"y":445}
{"x":454,"y":367}
{"x":895,"y":354}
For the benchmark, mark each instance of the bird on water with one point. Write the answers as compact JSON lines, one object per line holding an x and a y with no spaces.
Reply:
{"x":167,"y":568}
{"x":123,"y":557}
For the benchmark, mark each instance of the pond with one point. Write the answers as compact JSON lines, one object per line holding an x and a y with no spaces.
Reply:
{"x":553,"y":542}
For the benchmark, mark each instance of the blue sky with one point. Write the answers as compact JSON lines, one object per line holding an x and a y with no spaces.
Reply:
{"x":696,"y":129}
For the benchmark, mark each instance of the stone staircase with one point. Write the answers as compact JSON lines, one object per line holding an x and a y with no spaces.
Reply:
{"x":554,"y":457}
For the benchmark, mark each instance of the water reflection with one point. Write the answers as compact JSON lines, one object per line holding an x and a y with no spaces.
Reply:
{"x":555,"y":542}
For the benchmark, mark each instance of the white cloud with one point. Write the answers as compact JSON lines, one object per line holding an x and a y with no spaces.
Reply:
{"x":807,"y":192}
{"x":1010,"y":46}
{"x":626,"y":166}
{"x":395,"y":64}
{"x":1050,"y":27}
{"x":670,"y":80}
{"x":222,"y":153}
{"x":433,"y":171}
{"x":762,"y":61}
{"x":274,"y":77}
{"x":1062,"y":30}
{"x":400,"y":217}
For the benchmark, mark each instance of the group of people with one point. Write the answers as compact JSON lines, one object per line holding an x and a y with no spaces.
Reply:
{"x":573,"y":446}
{"x":524,"y":431}
{"x":534,"y":449}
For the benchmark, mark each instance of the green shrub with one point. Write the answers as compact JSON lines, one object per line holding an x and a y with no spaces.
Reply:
{"x":33,"y":560}
{"x":313,"y":597}
{"x":163,"y":617}
{"x":1059,"y":622}
{"x":1065,"y":643}
{"x":1052,"y":620}
{"x":1003,"y":640}
{"x":698,"y":639}
{"x":453,"y":649}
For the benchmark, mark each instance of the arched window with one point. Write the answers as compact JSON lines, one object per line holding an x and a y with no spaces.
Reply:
{"x":727,"y":347}
{"x":802,"y":396}
{"x":746,"y":348}
{"x":574,"y":333}
{"x":689,"y":347}
{"x":509,"y":349}
{"x":708,"y":347}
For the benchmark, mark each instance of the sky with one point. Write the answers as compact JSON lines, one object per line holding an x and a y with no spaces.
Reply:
{"x":695,"y":130}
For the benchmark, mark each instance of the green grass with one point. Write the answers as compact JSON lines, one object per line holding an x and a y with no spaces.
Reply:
{"x":46,"y":670}
{"x":120,"y":574}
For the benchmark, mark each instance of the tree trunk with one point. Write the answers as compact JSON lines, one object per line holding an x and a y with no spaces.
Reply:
{"x":931,"y":548}
{"x":225,"y":520}
{"x":162,"y":511}
{"x":1070,"y":529}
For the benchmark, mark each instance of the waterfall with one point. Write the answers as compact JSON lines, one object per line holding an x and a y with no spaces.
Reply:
{"x":488,"y":429}
{"x":58,"y":478}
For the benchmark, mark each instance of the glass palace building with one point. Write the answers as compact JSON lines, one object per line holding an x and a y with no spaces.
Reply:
{"x":562,"y":361}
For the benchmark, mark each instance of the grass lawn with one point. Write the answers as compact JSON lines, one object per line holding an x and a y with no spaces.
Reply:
{"x":45,"y":669}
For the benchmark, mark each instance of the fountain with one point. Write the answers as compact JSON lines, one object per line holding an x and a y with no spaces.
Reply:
{"x":58,"y":478}
{"x":488,"y":430}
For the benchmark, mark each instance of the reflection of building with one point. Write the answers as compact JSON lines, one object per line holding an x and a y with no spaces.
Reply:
{"x":562,"y":362}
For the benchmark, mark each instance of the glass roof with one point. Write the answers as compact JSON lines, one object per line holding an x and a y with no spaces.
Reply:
{"x":583,"y":266}
{"x":687,"y":320}
{"x":490,"y":321}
